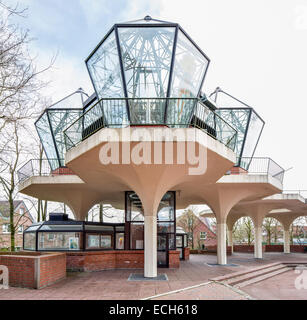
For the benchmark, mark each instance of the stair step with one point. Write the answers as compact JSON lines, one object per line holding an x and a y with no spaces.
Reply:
{"x":241,"y":273}
{"x":262,"y":277}
{"x":253,"y":274}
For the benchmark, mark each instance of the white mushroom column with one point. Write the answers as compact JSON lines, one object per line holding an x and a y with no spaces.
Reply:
{"x":150,"y":246}
{"x":257,"y":218}
{"x":221,"y":243}
{"x":229,"y":238}
{"x":287,"y":240}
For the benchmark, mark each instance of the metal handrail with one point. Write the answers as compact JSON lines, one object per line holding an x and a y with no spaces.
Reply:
{"x":40,"y":167}
{"x":261,"y":165}
{"x":211,"y":123}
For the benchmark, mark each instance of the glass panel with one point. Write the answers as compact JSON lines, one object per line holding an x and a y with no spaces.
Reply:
{"x":59,"y":241}
{"x":44,"y":132}
{"x":120,"y":241}
{"x":171,"y":242}
{"x":33,"y":228}
{"x":161,"y":245}
{"x":121,"y":228}
{"x":106,"y":241}
{"x":136,"y":236}
{"x":146,"y":55}
{"x":98,"y":228}
{"x":134,"y":208}
{"x":104,"y":69}
{"x":92,"y":241}
{"x":179,"y":241}
{"x":253,"y":134}
{"x":181,"y":253}
{"x":185,"y":239}
{"x":73,"y":101}
{"x":60,"y":120}
{"x":237,"y":118}
{"x":29,"y":241}
{"x":54,"y":227}
{"x":162,"y":258}
{"x":166,"y":208}
{"x":189,"y":69}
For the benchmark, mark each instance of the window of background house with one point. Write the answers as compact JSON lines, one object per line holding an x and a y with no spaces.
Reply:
{"x":20,"y":229}
{"x":203,"y":235}
{"x":6,"y":228}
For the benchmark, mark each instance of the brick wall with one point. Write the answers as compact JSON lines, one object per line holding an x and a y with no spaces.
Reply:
{"x":243,"y":248}
{"x":210,"y":249}
{"x":297,"y":248}
{"x":274,"y":248}
{"x":186,"y":254}
{"x":174,"y":259}
{"x":105,"y":260}
{"x":34,"y":270}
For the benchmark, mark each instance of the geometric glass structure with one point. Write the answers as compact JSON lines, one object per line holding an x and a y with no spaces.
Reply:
{"x":147,"y":59}
{"x":55,"y":119}
{"x":245,"y":120}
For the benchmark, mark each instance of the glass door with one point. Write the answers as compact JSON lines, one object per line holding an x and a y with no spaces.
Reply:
{"x":162,"y":250}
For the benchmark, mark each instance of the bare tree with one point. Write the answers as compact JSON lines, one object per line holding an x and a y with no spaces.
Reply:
{"x":20,"y":82}
{"x":188,"y":221}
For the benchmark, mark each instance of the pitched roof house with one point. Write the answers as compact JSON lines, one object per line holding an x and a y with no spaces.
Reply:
{"x":22,"y":218}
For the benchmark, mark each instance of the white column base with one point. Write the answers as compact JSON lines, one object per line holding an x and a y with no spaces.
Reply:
{"x":286,"y":241}
{"x":221,"y":243}
{"x":258,"y":243}
{"x":150,"y":246}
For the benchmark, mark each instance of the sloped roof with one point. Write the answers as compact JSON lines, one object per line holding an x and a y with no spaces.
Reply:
{"x":5,"y":208}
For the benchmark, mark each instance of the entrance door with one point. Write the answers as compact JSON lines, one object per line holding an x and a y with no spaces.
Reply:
{"x":162,"y":250}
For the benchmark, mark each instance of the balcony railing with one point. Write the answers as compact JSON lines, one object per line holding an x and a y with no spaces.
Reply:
{"x":170,"y":112}
{"x":259,"y":165}
{"x":41,"y":167}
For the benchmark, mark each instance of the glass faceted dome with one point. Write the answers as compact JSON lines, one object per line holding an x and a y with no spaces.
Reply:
{"x":147,"y":59}
{"x":245,"y":120}
{"x":51,"y":124}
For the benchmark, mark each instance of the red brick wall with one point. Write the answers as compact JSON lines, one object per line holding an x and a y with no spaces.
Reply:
{"x":210,"y":249}
{"x":297,"y":248}
{"x":104,"y":260}
{"x":33,"y":270}
{"x":174,"y":259}
{"x":186,"y":254}
{"x":243,"y":248}
{"x":274,"y":248}
{"x":52,"y":269}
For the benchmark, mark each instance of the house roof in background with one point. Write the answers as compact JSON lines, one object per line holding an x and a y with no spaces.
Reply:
{"x":5,"y":208}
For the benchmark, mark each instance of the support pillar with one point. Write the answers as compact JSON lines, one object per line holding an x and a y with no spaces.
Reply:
{"x":150,"y":246}
{"x":230,"y":241}
{"x":221,"y":243}
{"x":258,"y":242}
{"x":286,"y":241}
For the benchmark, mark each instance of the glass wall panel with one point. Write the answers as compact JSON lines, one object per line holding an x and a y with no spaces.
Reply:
{"x":104,"y":68}
{"x":56,"y":227}
{"x":98,"y":228}
{"x":254,"y":130}
{"x":45,"y":134}
{"x":166,"y":209}
{"x":189,"y":69}
{"x":59,"y":241}
{"x":136,"y":236}
{"x":134,"y":210}
{"x":29,"y":240}
{"x":60,"y":120}
{"x":106,"y":242}
{"x":120,"y":241}
{"x":147,"y":55}
{"x":238,"y":119}
{"x":92,"y":241}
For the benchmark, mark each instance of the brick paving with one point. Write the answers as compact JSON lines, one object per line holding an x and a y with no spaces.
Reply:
{"x":113,"y":284}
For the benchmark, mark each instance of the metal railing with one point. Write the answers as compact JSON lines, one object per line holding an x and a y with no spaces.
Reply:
{"x":41,"y":167}
{"x":302,"y":193}
{"x":261,"y":165}
{"x":170,"y":112}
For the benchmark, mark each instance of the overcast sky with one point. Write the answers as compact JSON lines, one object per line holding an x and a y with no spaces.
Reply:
{"x":258,"y":52}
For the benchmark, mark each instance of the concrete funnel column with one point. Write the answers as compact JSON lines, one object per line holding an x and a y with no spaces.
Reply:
{"x":286,"y":241}
{"x":221,"y":243}
{"x":150,"y":246}
{"x":229,"y":238}
{"x":258,"y":242}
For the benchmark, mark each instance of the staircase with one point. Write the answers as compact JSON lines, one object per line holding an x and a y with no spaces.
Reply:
{"x":254,"y":275}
